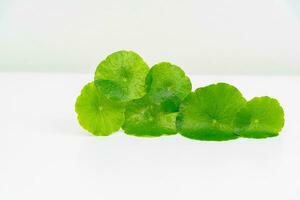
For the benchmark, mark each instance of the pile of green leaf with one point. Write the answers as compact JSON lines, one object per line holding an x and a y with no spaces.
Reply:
{"x":159,"y":101}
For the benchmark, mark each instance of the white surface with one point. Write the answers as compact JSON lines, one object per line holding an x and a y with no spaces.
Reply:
{"x":44,"y":154}
{"x":202,"y":36}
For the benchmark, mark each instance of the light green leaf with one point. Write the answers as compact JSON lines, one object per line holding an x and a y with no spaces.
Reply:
{"x":260,"y":118}
{"x":209,"y":113}
{"x":167,"y":85}
{"x":145,"y":119}
{"x":97,"y":114}
{"x":121,"y":76}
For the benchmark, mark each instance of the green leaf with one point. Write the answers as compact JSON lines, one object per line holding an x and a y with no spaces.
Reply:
{"x":260,"y":118}
{"x":145,"y":119}
{"x":97,"y":114}
{"x":121,"y":76}
{"x":209,"y":113}
{"x":167,"y":84}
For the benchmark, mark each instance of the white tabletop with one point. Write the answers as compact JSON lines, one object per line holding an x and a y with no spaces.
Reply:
{"x":45,"y":154}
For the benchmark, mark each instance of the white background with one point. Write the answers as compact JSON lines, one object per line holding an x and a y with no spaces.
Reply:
{"x":201,"y":36}
{"x":45,"y":154}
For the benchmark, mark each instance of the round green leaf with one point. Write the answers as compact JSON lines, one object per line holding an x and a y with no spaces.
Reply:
{"x":97,"y":114}
{"x":145,"y":119}
{"x":260,"y":118}
{"x":121,"y":76}
{"x":209,"y":113}
{"x":167,"y":84}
